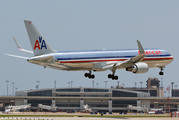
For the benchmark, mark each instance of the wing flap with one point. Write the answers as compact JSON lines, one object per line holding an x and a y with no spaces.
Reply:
{"x":108,"y":66}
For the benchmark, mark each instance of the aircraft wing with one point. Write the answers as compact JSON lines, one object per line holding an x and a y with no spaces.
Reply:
{"x":19,"y":46}
{"x":129,"y":62}
{"x":135,"y":59}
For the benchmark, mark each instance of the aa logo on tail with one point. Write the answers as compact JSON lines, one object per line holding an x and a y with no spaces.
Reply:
{"x":39,"y":44}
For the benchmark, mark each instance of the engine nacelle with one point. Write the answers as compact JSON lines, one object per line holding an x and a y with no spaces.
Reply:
{"x":138,"y":68}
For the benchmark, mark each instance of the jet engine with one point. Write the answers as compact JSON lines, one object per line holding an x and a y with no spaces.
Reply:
{"x":138,"y":68}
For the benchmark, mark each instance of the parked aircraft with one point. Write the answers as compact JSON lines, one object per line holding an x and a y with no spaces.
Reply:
{"x":132,"y":60}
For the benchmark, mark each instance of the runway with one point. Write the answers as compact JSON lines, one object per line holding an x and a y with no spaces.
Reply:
{"x":82,"y":118}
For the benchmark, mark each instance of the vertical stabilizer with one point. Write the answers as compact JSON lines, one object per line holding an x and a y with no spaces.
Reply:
{"x":38,"y":43}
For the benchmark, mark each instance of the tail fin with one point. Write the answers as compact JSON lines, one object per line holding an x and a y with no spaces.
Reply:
{"x":38,"y":43}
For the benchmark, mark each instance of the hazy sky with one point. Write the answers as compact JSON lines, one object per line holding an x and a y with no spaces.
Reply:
{"x":86,"y":25}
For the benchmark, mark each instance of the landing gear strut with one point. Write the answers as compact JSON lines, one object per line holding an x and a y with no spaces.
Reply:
{"x":161,"y":69}
{"x":112,"y":76}
{"x":89,"y":75}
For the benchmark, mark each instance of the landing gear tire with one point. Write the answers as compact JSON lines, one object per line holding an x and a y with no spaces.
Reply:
{"x":113,"y":77}
{"x":110,"y":76}
{"x":116,"y":77}
{"x":86,"y":74}
{"x":161,"y":69}
{"x":89,"y":75}
{"x":92,"y":76}
{"x":161,"y":73}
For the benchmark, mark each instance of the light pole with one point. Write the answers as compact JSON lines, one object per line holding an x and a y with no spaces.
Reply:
{"x":38,"y":84}
{"x":7,"y":86}
{"x":68,"y":84}
{"x":175,"y":86}
{"x":175,"y":90}
{"x":16,"y":89}
{"x":172,"y":88}
{"x":105,"y":84}
{"x":93,"y":83}
{"x":12,"y":88}
{"x":162,"y":82}
{"x":135,"y":84}
{"x":97,"y":84}
{"x":55,"y":83}
{"x":71,"y":83}
{"x":141,"y":84}
{"x":118,"y":84}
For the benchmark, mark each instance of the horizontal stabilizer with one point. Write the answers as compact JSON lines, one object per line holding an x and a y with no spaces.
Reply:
{"x":17,"y":56}
{"x":19,"y":46}
{"x":48,"y":59}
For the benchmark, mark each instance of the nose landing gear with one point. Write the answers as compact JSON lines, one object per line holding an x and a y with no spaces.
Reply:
{"x":161,"y":69}
{"x":161,"y":73}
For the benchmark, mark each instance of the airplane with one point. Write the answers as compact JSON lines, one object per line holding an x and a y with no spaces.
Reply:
{"x":7,"y":111}
{"x":132,"y":60}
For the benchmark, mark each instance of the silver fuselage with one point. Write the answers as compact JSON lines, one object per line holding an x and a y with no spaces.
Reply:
{"x":95,"y":59}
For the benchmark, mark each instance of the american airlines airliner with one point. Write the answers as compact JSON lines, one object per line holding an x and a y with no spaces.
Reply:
{"x":132,"y":60}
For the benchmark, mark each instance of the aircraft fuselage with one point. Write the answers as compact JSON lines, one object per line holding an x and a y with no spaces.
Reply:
{"x":96,"y":59}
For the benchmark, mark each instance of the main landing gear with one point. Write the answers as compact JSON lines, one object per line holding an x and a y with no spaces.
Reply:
{"x":112,"y":76}
{"x":161,"y":69}
{"x":89,"y":75}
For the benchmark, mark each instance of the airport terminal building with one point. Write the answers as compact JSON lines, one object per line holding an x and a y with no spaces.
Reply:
{"x":99,"y":99}
{"x":106,"y":99}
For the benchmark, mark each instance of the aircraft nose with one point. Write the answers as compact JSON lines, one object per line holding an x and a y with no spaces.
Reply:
{"x":171,"y":58}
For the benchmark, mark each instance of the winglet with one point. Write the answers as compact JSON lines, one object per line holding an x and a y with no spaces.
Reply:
{"x":19,"y":46}
{"x":141,"y":50}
